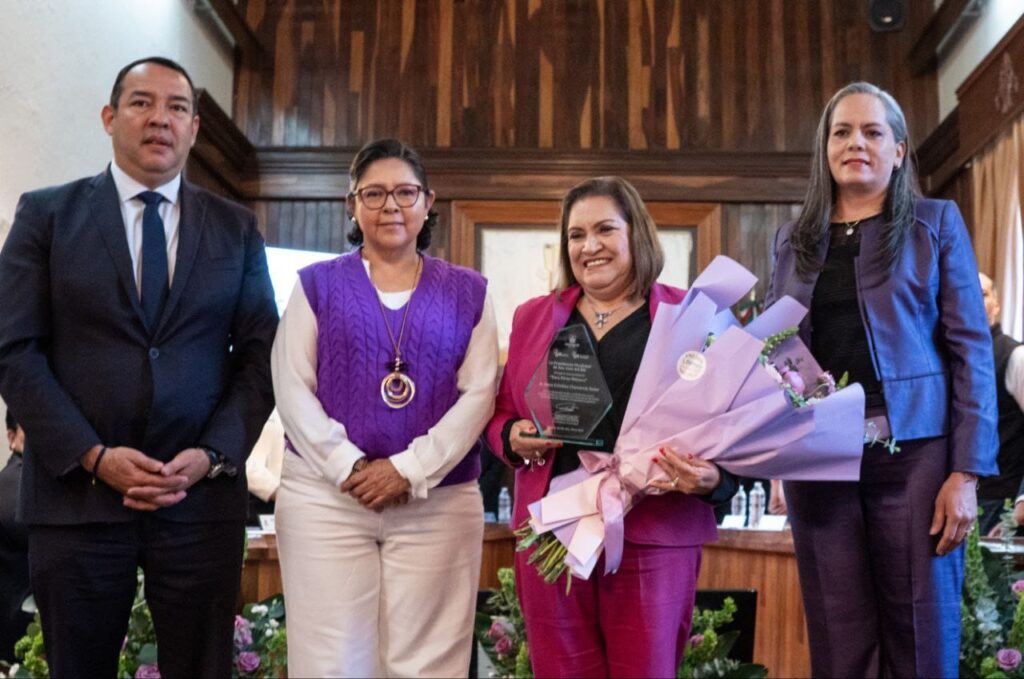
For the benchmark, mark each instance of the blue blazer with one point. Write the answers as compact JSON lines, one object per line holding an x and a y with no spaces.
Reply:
{"x":926,"y":329}
{"x":78,"y":366}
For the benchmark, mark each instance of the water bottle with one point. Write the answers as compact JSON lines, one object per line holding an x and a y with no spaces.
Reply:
{"x":504,"y":506}
{"x":739,"y":503}
{"x":756,"y":504}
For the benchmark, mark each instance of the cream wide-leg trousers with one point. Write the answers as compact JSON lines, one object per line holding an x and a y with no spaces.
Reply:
{"x":367,"y":594}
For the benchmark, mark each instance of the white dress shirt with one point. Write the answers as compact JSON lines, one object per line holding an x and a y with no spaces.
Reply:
{"x":263,"y":466}
{"x":131,"y":210}
{"x":324,"y":442}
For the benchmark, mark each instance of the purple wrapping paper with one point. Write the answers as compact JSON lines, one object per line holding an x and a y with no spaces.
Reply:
{"x":734,"y":413}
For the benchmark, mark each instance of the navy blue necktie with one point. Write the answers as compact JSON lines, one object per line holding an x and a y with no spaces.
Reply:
{"x":154,"y":258}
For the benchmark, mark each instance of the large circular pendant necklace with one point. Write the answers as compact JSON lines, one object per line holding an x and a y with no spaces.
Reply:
{"x":397,"y":389}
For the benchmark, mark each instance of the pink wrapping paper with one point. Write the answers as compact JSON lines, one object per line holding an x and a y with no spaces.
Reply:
{"x":734,"y":413}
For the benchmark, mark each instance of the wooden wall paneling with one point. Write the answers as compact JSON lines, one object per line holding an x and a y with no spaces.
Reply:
{"x":307,"y":225}
{"x":316,"y":173}
{"x":992,"y":96}
{"x":564,"y":74}
{"x":748,"y":236}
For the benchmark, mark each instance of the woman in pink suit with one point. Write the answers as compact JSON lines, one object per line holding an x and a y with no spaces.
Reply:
{"x":636,"y":621}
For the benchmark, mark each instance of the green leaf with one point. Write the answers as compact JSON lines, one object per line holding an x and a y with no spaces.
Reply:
{"x":750,"y":671}
{"x":147,"y":654}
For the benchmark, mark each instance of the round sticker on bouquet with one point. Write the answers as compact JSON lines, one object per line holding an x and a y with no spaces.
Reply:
{"x":691,"y":365}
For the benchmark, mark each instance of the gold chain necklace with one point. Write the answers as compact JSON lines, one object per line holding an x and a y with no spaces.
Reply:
{"x":397,"y":388}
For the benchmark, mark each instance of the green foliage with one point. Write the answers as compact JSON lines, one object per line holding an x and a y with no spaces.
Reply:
{"x":501,"y":630}
{"x":265,"y":636}
{"x":707,"y":651}
{"x":772,"y":342}
{"x":991,"y":615}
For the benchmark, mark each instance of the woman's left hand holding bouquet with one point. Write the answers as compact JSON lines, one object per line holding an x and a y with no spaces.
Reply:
{"x":686,"y":474}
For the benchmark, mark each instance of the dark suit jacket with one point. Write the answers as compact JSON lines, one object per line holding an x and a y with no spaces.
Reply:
{"x":14,"y":587}
{"x":926,"y":328}
{"x":79,"y":365}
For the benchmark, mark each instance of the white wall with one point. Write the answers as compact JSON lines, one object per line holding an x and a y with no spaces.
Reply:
{"x":997,"y":17}
{"x":59,"y":62}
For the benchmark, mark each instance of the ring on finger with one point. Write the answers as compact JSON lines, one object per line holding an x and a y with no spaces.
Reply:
{"x":675,"y":482}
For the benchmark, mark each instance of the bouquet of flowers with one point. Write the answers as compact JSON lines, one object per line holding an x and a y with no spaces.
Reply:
{"x":737,"y":396}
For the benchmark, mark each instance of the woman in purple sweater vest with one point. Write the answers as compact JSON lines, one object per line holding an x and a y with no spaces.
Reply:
{"x":634,"y":622}
{"x":893,"y":290}
{"x":384,"y":372}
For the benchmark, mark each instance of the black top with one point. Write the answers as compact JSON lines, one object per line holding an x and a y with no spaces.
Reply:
{"x":839,"y":340}
{"x":1011,"y":427}
{"x":619,"y":354}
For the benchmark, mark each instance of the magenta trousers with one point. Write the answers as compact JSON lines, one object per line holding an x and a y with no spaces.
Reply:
{"x":633,"y":623}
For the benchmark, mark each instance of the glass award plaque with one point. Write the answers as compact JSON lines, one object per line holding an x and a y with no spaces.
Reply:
{"x":567,"y":395}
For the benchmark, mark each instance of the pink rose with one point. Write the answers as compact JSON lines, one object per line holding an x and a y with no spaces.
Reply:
{"x":248,"y":661}
{"x":827,"y":383}
{"x":150,"y":672}
{"x":1018,"y":587}
{"x":1008,"y":658}
{"x":243,"y":632}
{"x":696,"y":640}
{"x":504,"y":646}
{"x":500,"y":628}
{"x":792,"y":378}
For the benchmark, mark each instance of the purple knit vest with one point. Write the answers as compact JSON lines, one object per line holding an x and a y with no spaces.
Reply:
{"x":354,"y":352}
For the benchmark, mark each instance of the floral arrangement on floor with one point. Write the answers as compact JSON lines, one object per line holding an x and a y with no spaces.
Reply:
{"x":501,"y":632}
{"x":707,"y":651}
{"x":260,"y":645}
{"x":991,"y":611}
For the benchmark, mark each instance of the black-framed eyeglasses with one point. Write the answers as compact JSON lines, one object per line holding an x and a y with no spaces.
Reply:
{"x":374,"y":197}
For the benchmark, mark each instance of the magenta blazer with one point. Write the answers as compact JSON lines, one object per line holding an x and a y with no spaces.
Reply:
{"x":673,"y":519}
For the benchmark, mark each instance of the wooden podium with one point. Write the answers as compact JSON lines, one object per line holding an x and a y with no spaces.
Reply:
{"x":261,"y":575}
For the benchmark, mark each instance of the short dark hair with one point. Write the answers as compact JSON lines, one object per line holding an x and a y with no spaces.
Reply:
{"x":12,"y":424}
{"x":118,"y":89}
{"x":380,"y":149}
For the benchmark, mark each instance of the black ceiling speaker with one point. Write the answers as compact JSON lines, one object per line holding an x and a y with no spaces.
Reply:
{"x":887,"y":15}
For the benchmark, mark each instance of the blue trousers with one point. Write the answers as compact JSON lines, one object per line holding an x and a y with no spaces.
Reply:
{"x":879,"y":602}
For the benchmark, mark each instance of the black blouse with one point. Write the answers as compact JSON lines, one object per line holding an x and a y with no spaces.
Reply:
{"x":838,"y":339}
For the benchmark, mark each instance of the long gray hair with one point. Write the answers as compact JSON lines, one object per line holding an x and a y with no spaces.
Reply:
{"x":816,"y":214}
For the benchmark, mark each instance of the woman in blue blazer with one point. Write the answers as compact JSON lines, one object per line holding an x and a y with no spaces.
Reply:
{"x":892,"y":287}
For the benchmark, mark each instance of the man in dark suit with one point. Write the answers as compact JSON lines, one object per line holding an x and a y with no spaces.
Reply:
{"x":13,"y":548}
{"x":136,"y":323}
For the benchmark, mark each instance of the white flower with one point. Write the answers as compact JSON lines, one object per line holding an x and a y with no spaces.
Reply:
{"x":269,"y":633}
{"x":259,"y":609}
{"x":274,"y":623}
